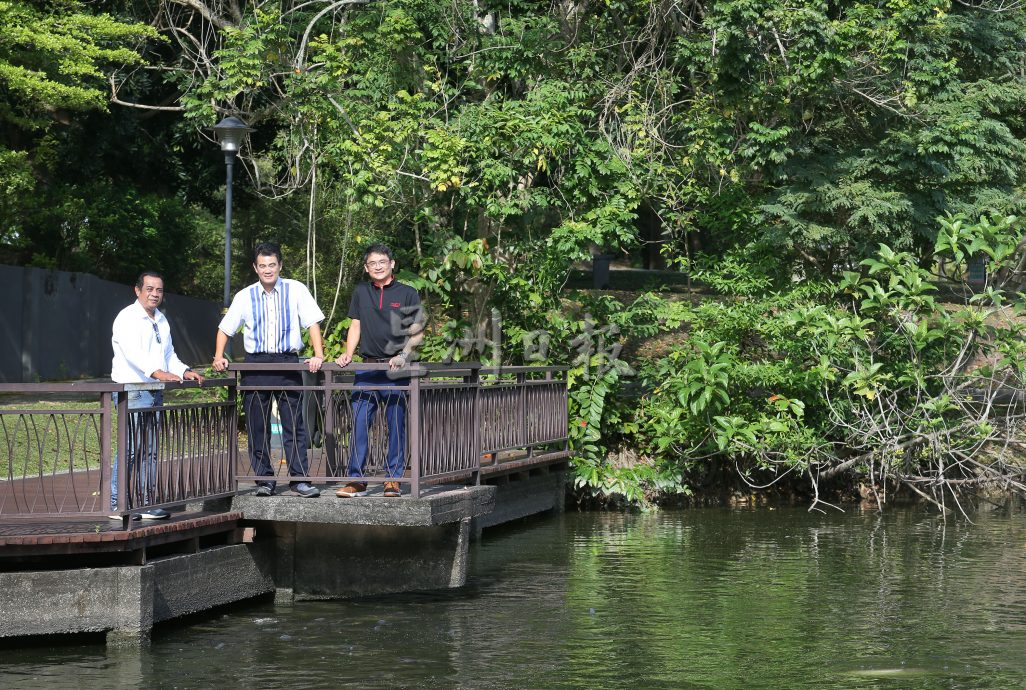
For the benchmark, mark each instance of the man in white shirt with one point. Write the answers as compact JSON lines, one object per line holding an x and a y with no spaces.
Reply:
{"x":274,"y":311}
{"x":143,"y":353}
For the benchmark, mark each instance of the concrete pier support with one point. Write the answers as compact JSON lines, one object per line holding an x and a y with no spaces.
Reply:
{"x":284,"y":554}
{"x":125,"y":601}
{"x":346,"y":561}
{"x":332,"y":548}
{"x":132,"y":607}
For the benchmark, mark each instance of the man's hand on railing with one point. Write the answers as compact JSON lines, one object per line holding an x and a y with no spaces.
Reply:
{"x":343,"y":359}
{"x":315,"y":363}
{"x":191,"y":375}
{"x":220,"y":363}
{"x":165,"y":376}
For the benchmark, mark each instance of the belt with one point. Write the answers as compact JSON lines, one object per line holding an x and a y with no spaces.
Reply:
{"x":377,"y":360}
{"x":290,"y":353}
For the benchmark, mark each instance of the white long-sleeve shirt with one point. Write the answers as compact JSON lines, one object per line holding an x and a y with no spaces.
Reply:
{"x":142,"y":346}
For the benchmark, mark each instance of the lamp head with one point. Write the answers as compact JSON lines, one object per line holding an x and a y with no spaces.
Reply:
{"x":231,"y":132}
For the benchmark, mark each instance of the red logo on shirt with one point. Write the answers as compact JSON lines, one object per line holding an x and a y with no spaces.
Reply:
{"x":394,"y":304}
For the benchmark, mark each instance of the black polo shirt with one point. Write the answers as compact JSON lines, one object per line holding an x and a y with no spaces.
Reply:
{"x":386,"y":315}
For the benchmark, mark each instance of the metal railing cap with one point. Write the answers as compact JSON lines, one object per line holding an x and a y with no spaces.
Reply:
{"x":155,"y":386}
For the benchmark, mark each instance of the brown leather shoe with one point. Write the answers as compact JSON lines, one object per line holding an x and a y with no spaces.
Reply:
{"x":352,"y":489}
{"x":392,"y":489}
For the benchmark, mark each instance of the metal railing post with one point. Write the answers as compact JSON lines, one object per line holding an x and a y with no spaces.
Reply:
{"x":233,"y":433}
{"x":413,"y":434}
{"x":124,"y":421}
{"x":106,"y":454}
{"x":328,"y":441}
{"x":524,"y":436}
{"x":565,"y":411}
{"x":475,"y":379}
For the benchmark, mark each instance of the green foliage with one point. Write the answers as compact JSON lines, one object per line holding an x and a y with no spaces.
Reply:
{"x":877,"y":376}
{"x":73,"y":195}
{"x":59,"y":59}
{"x":798,"y":136}
{"x":860,"y":124}
{"x":15,"y":182}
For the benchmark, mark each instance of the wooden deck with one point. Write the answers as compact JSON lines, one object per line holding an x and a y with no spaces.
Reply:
{"x":28,"y":540}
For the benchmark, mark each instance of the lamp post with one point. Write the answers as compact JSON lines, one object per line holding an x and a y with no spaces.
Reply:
{"x":230,"y":133}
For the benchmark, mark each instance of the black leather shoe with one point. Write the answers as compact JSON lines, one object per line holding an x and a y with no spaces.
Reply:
{"x":306,"y":490}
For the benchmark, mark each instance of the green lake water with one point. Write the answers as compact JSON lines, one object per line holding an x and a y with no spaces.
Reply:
{"x":706,"y":598}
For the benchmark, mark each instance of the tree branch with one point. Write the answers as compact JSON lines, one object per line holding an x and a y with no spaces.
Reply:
{"x":205,"y":12}
{"x":139,"y":106}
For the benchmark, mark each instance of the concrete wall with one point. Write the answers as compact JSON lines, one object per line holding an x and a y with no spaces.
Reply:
{"x":347,"y":561}
{"x":187,"y":584}
{"x":520,"y":495}
{"x":55,"y":325}
{"x":64,"y":601}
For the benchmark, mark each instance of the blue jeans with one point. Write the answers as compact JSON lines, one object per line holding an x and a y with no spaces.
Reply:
{"x":365,"y":406}
{"x":141,"y":436}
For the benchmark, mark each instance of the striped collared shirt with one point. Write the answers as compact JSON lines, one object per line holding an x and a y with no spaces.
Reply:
{"x":273,"y":320}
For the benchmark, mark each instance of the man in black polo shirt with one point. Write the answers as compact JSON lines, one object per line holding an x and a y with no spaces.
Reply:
{"x":387,"y":324}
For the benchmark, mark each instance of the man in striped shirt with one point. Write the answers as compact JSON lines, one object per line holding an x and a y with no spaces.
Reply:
{"x":273,"y":311}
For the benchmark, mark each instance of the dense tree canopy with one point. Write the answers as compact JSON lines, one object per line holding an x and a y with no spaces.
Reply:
{"x":812,"y":131}
{"x":83,"y":185}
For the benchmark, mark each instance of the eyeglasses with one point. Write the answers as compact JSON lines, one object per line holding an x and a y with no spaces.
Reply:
{"x":156,"y":333}
{"x":377,"y":264}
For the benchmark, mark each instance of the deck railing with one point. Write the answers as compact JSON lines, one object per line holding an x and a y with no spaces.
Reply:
{"x":58,"y":441}
{"x":190,"y":446}
{"x":461,"y":420}
{"x":522,"y":409}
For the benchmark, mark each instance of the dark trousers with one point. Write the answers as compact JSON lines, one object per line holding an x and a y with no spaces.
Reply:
{"x":257,"y":405}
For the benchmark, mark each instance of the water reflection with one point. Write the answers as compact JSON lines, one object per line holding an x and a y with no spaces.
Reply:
{"x":694,"y":599}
